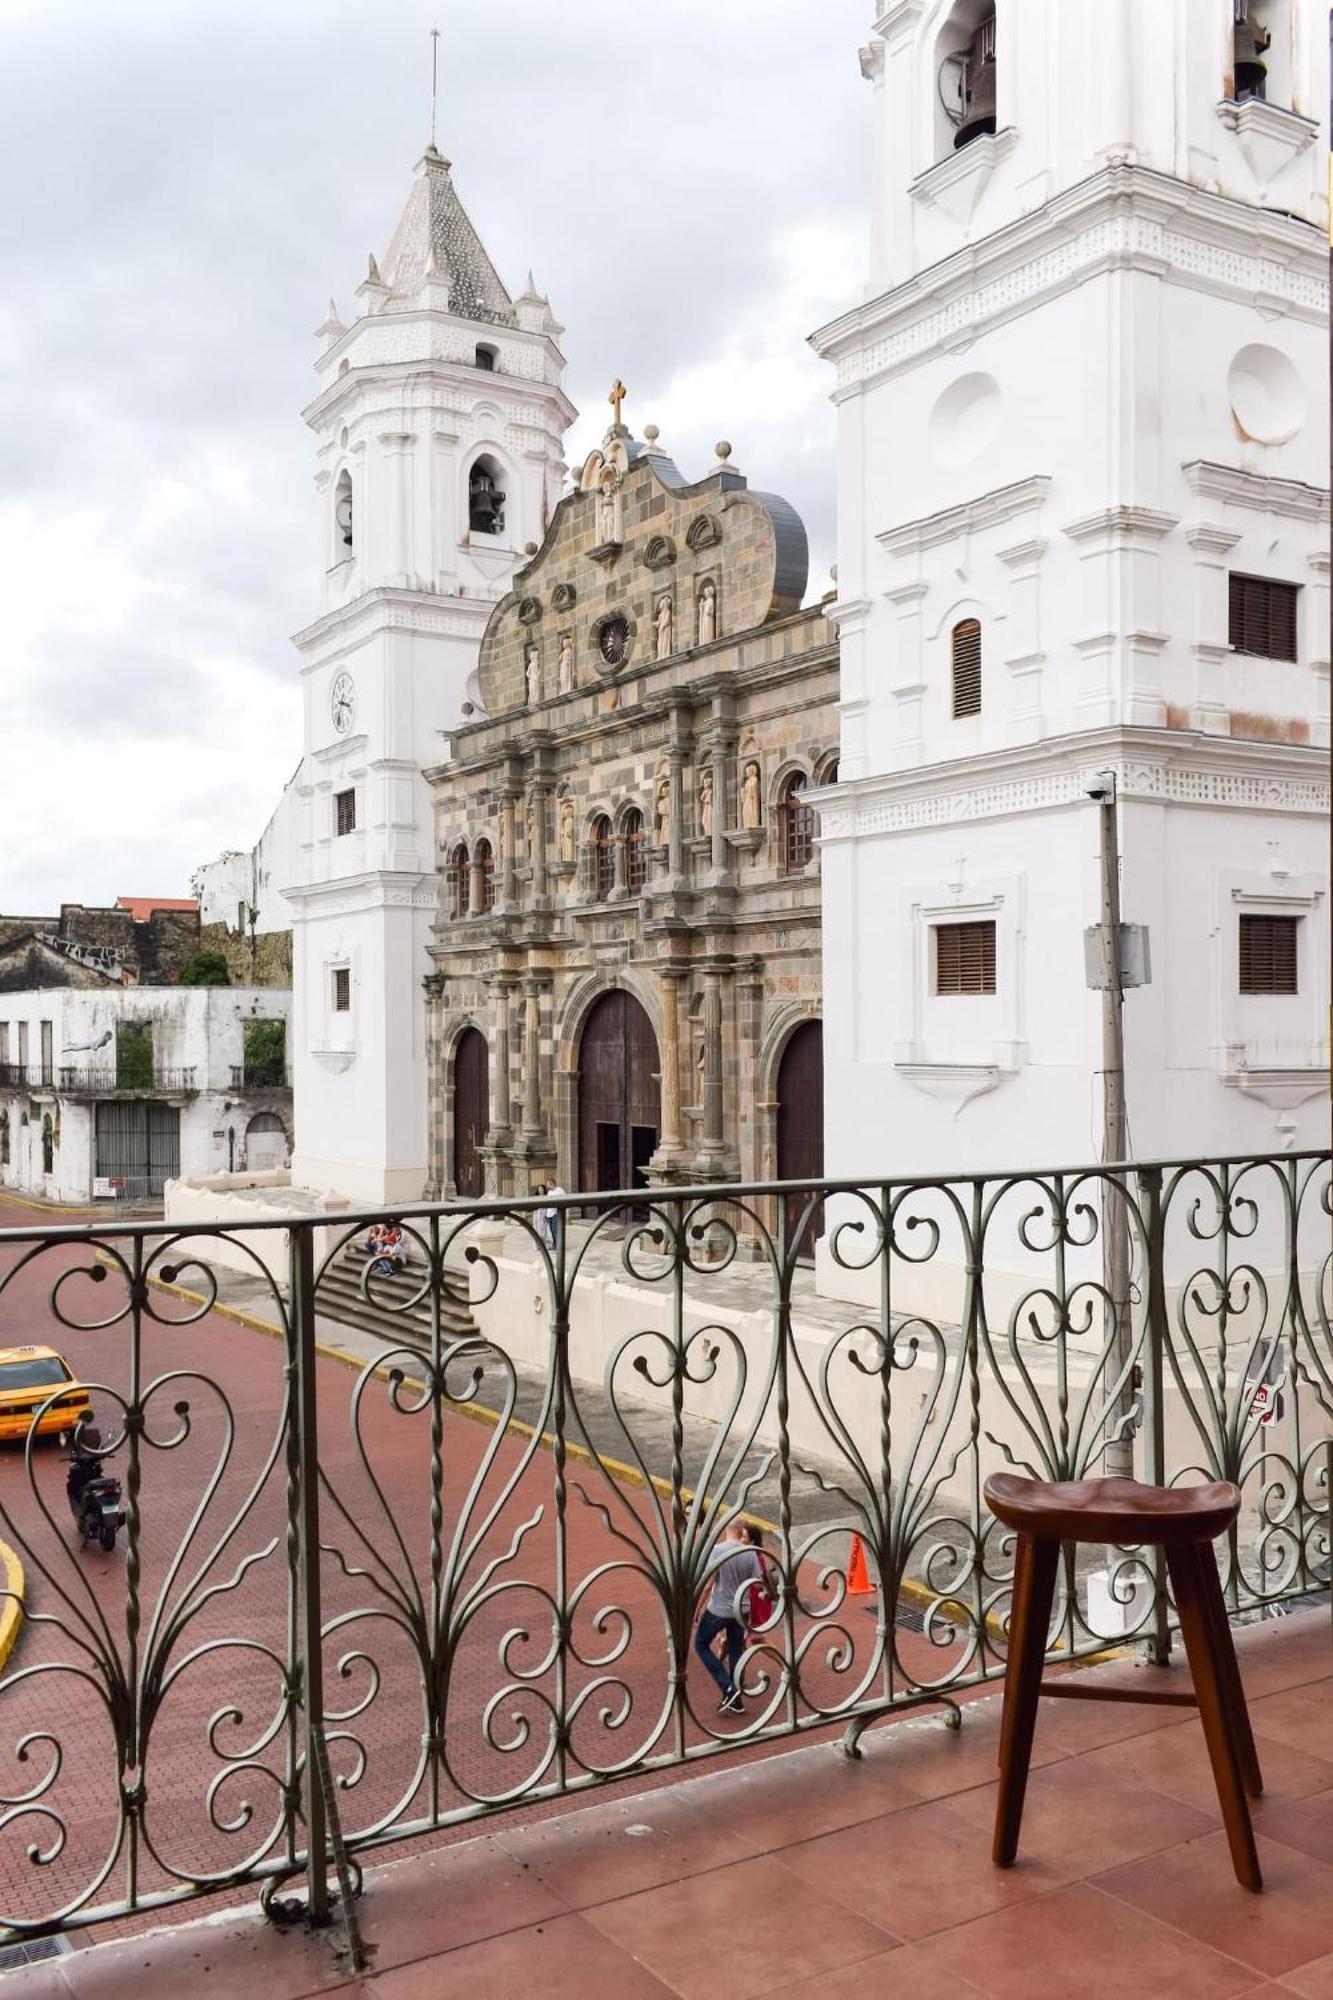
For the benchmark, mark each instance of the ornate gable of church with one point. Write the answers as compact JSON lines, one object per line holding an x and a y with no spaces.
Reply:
{"x":640,"y":567}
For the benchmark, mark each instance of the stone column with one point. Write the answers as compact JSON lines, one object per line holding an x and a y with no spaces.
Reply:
{"x":619,"y":869}
{"x":532,"y":1057}
{"x":670,"y":1141}
{"x":712,"y":1132}
{"x":721,"y":766}
{"x":500,"y":1108}
{"x":508,"y":894}
{"x":537,"y":859}
{"x":676,"y":830}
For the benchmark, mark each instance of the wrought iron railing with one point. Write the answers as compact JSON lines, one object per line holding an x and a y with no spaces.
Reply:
{"x":110,"y":1081}
{"x":467,"y":1576}
{"x":263,"y":1075}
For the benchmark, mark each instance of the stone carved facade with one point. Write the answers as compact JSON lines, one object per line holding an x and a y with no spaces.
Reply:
{"x":600,"y":872}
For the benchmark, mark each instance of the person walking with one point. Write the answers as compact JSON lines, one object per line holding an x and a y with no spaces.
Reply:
{"x":721,"y":1618}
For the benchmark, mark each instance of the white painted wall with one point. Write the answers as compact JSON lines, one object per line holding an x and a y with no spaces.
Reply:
{"x":1087,"y":381}
{"x":253,"y":876}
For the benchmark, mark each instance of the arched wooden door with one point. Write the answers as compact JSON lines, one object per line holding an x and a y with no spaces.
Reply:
{"x":801,"y":1127}
{"x":472,"y":1113}
{"x":619,"y":1095}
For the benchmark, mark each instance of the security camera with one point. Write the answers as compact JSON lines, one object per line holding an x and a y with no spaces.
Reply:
{"x":1100,"y":785}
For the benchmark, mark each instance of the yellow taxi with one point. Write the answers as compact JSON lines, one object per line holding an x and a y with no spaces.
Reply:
{"x":28,"y":1375}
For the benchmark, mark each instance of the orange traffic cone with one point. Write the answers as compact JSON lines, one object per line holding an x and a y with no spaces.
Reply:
{"x":858,"y":1573}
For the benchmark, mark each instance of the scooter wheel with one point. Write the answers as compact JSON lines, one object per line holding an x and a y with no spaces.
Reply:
{"x":108,"y":1539}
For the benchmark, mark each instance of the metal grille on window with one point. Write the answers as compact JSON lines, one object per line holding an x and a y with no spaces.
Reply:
{"x":462,"y":868}
{"x":965,"y":958}
{"x":636,"y":852}
{"x":1262,"y":617}
{"x":797,"y":823}
{"x":1268,"y":954}
{"x":603,"y":859}
{"x":966,"y":645}
{"x":484,"y":861}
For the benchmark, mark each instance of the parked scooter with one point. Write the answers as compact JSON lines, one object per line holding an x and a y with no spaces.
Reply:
{"x":94,"y":1496}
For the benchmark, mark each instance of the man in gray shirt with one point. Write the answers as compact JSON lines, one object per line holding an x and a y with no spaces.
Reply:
{"x":723,"y":1613}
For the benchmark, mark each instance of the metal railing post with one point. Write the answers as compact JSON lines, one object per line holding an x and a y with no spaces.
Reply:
{"x":1158,"y":1645}
{"x":309,"y":1619}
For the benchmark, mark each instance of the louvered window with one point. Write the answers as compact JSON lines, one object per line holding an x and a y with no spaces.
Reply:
{"x":1268,"y":954}
{"x":965,"y":958}
{"x":636,"y":852}
{"x":1263,"y":617}
{"x":603,"y":859}
{"x":344,"y":812}
{"x":966,"y":647}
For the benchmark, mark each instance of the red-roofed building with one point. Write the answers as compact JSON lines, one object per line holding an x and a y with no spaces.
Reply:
{"x":141,"y":908}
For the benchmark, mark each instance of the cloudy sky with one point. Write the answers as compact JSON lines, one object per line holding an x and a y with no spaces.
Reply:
{"x":187,"y":181}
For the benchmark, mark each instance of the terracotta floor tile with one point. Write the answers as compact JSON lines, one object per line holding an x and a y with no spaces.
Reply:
{"x":934,"y":1761}
{"x":919,"y":1871}
{"x":1176,"y":1761}
{"x":1079,"y":1942}
{"x":616,"y":1849}
{"x":42,"y":1981}
{"x":1076,"y":1726}
{"x":816,"y":1791}
{"x":1311,"y":1982}
{"x":563,"y":1960}
{"x":1193,"y":1888}
{"x":690,"y":1933}
{"x":1284,"y":1652}
{"x":437,"y":1902}
{"x":912,"y":1972}
{"x":1301,"y":1716}
{"x":232,"y":1961}
{"x":1078,"y":1820}
{"x":1304,"y":1823}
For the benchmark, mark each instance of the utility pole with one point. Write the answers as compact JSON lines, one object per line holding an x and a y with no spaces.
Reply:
{"x":1115,"y":1220}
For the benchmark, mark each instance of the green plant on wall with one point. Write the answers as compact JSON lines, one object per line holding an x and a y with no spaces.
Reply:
{"x":266,"y":1052}
{"x":134,"y":1055}
{"x":206,"y":968}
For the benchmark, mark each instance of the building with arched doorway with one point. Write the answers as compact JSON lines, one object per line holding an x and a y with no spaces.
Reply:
{"x":626,"y":983}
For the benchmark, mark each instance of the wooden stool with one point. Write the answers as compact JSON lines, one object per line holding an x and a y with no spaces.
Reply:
{"x":1182,"y":1521}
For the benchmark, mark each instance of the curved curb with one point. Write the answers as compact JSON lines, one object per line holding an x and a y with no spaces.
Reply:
{"x":11,"y":1613}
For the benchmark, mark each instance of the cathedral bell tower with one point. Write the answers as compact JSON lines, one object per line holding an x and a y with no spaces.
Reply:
{"x":438,"y":424}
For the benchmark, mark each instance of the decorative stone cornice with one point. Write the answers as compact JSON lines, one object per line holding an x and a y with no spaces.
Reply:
{"x":988,"y":510}
{"x":1116,"y":524}
{"x":955,"y":183}
{"x":384,"y":609}
{"x":1270,"y":135}
{"x":1121,"y":218}
{"x":1257,"y":491}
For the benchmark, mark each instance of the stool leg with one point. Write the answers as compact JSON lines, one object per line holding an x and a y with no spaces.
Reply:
{"x":1029,"y":1622}
{"x":1185,"y":1567}
{"x":1224,"y":1650}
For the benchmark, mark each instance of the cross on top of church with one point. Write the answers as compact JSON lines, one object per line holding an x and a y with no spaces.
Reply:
{"x":616,"y":398}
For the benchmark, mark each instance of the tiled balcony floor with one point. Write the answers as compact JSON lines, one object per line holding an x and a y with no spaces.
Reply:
{"x":810,"y":1877}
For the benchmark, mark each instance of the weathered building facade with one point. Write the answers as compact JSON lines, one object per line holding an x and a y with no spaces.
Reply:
{"x":627,"y":953}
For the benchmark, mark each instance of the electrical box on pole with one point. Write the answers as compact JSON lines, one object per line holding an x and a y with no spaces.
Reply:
{"x":1135,"y":958}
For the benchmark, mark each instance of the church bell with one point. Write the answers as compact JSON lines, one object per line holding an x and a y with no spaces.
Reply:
{"x":485,"y":504}
{"x":1249,"y":43}
{"x":976,"y":86}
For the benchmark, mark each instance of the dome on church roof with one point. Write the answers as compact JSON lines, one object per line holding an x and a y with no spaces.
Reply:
{"x":435,"y":241}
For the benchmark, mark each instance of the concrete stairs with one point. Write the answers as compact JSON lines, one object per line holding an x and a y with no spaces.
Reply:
{"x":340,"y":1296}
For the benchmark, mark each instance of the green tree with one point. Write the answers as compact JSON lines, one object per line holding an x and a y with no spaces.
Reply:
{"x":206,"y":968}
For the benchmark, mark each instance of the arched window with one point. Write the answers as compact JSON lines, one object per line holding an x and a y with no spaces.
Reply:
{"x":343,"y":536}
{"x":796,"y":825}
{"x":485,"y":499}
{"x":636,"y":851}
{"x":483,"y":860}
{"x":460,"y":871}
{"x":485,"y":358}
{"x":965,"y":666}
{"x":603,"y":858}
{"x":965,"y":76}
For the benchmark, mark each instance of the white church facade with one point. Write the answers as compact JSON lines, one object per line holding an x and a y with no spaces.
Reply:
{"x":1083,"y":548}
{"x":438,"y":424}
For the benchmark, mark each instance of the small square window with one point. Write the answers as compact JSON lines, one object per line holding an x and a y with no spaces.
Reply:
{"x":1268,"y":954}
{"x":1262,"y":617}
{"x":344,"y":812}
{"x":965,"y":957}
{"x":342,"y":989}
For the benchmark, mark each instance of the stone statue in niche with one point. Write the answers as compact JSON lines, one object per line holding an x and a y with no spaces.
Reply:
{"x":566,"y":662}
{"x":532,"y":827}
{"x":751,"y":804}
{"x":707,"y":612}
{"x":532,"y":666}
{"x":606,"y":511}
{"x":567,"y":830}
{"x":706,"y":803}
{"x":663,"y":620}
{"x":662,"y":811}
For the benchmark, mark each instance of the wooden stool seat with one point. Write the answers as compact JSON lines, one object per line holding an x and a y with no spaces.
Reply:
{"x":1183,"y":1521}
{"x":1112,"y":1510}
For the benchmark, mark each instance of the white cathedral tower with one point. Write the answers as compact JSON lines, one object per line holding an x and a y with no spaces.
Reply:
{"x":1083,"y":528}
{"x":438,"y":423}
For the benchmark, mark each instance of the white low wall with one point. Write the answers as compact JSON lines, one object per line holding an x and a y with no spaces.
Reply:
{"x":230,"y":1201}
